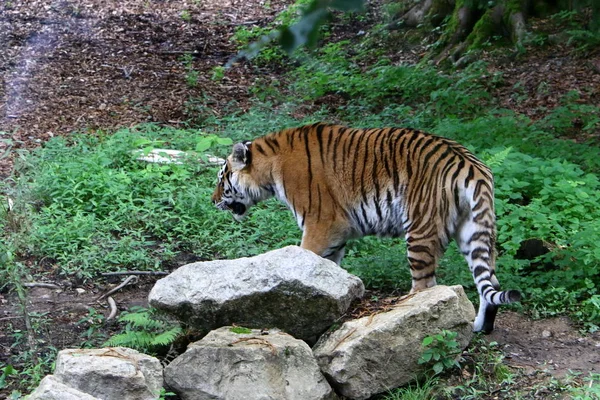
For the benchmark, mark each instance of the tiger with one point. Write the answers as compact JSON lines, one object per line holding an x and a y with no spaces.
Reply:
{"x":343,"y":183}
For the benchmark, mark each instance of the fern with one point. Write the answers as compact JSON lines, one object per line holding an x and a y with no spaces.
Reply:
{"x":497,"y":159}
{"x":142,"y":319}
{"x":145,"y":331}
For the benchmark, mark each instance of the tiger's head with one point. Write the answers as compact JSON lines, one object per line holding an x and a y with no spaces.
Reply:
{"x":237,"y":189}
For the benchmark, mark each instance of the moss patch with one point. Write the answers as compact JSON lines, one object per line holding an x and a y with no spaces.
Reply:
{"x":240,"y":330}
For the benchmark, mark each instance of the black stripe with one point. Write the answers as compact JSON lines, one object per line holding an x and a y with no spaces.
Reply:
{"x":320,"y":141}
{"x":309,"y":167}
{"x":318,"y":202}
{"x":329,"y":139}
{"x":470,"y":175}
{"x":426,"y":276}
{"x":417,"y":264}
{"x":478,"y":252}
{"x":431,"y":152}
{"x":268,"y":143}
{"x":478,"y":235}
{"x":420,"y":249}
{"x":479,"y":270}
{"x":335,"y":147}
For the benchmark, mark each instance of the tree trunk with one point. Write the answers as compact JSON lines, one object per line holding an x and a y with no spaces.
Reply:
{"x":469,"y":24}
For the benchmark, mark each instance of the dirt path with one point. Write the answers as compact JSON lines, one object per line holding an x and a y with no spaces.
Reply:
{"x":552,"y":344}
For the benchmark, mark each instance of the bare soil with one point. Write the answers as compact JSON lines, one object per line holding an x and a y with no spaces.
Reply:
{"x":77,"y":65}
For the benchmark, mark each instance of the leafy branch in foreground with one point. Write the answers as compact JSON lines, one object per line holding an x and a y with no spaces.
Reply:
{"x":304,"y":31}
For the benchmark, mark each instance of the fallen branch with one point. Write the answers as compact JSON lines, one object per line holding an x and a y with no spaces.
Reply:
{"x":9,"y":318}
{"x":116,"y":289}
{"x":113,"y":308}
{"x":42,"y":285}
{"x":134,"y":273}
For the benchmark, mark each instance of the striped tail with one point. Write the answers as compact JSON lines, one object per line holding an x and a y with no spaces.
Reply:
{"x":477,"y":239}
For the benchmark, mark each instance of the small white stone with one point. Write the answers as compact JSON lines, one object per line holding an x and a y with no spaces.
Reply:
{"x":80,"y":290}
{"x":546,"y":334}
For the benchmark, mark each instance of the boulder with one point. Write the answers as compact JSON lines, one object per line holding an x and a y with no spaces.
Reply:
{"x":110,"y":373}
{"x":374,"y":354}
{"x":51,"y":388}
{"x":291,"y":288}
{"x":251,"y":365}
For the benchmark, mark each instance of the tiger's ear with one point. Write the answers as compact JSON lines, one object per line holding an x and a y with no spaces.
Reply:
{"x":241,"y":155}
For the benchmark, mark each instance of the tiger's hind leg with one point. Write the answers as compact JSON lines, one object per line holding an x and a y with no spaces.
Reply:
{"x":423,"y":256}
{"x":476,"y":242}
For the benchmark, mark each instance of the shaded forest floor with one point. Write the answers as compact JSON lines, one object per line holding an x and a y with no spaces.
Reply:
{"x":89,"y":64}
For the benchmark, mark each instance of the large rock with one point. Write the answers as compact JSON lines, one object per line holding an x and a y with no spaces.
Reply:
{"x":110,"y":373}
{"x":291,"y":288}
{"x":225,"y":365}
{"x":381,"y":352}
{"x":51,"y":388}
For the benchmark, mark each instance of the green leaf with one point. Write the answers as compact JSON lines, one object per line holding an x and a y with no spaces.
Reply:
{"x":304,"y":32}
{"x":438,"y":367}
{"x":427,"y":341}
{"x":427,"y":356}
{"x":203,"y":145}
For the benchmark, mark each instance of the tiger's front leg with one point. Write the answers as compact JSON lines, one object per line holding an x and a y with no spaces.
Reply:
{"x":325,"y":240}
{"x":423,"y":256}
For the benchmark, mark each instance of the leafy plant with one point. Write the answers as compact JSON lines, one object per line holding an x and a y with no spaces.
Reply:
{"x":7,"y":371}
{"x":440,"y":351}
{"x":191,"y":75}
{"x":92,"y":337}
{"x":145,"y":330}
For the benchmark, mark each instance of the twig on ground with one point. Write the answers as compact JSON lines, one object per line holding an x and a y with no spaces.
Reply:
{"x":113,"y":308}
{"x":42,"y":285}
{"x":116,"y":289}
{"x":135,"y":273}
{"x":13,"y":317}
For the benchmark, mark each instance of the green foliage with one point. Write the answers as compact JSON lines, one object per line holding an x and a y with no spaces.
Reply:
{"x":424,"y":87}
{"x":440,"y":351}
{"x":100,"y":209}
{"x":572,"y":118}
{"x":415,"y":391}
{"x":145,"y":330}
{"x":482,"y":372}
{"x":240,"y":330}
{"x":584,"y":41}
{"x":298,"y":26}
{"x":93,"y":336}
{"x":7,"y":371}
{"x":380,"y":263}
{"x":589,"y":390}
{"x":218,"y":73}
{"x":191,"y":75}
{"x":186,"y":16}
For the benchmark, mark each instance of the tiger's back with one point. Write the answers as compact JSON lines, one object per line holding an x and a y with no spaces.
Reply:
{"x":343,"y":183}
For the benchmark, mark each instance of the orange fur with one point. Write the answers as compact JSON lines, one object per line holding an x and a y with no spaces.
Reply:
{"x":344,"y":183}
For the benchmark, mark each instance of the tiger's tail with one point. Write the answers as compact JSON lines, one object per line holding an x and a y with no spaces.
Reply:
{"x":477,"y":239}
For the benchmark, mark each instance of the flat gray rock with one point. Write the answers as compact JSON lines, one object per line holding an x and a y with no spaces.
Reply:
{"x":377,"y":353}
{"x":225,"y":365}
{"x":291,"y":289}
{"x":110,"y":373}
{"x":51,"y":388}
